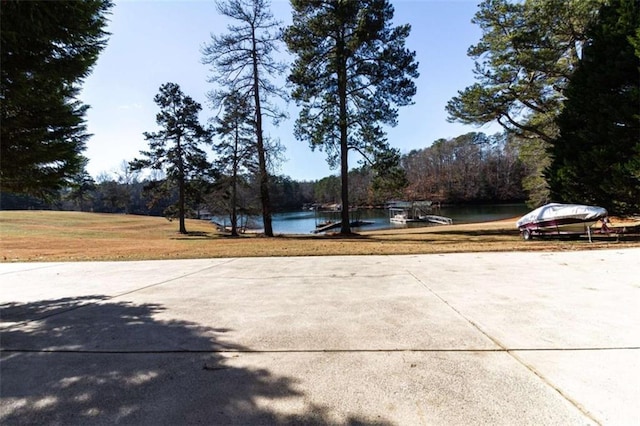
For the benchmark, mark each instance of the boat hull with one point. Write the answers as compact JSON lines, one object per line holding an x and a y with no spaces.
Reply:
{"x":567,"y":226}
{"x":560,"y":219}
{"x":401,"y":219}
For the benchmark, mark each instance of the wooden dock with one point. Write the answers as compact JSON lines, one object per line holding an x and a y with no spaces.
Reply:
{"x":333,"y":225}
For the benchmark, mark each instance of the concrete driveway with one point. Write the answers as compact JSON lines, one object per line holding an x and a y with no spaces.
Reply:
{"x":487,"y":338}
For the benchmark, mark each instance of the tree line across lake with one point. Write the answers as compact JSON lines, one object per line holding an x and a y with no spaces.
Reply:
{"x":472,"y":168}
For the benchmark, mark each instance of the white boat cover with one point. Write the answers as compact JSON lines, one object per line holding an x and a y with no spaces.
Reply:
{"x":555,"y":211}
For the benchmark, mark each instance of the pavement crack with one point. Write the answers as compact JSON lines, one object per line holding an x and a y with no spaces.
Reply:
{"x":17,"y":271}
{"x":511,"y":352}
{"x":170,"y":280}
{"x":297,"y":277}
{"x":84,"y":305}
{"x":297,"y":351}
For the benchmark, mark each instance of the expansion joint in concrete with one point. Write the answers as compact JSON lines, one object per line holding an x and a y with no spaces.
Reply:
{"x":511,"y":352}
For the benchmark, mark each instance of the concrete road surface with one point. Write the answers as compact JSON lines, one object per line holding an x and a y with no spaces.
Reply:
{"x":454,"y":339}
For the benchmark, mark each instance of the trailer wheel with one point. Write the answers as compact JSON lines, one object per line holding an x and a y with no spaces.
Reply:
{"x":526,"y":235}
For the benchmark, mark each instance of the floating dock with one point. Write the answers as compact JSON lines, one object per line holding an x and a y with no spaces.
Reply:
{"x":415,"y":211}
{"x":333,"y":225}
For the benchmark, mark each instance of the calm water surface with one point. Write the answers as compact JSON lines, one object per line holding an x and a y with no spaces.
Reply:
{"x":304,"y":222}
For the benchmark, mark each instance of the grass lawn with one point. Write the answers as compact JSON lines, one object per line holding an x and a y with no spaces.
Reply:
{"x":75,"y":236}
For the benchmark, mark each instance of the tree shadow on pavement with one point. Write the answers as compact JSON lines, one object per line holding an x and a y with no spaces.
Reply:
{"x":15,"y":312}
{"x":93,"y":360}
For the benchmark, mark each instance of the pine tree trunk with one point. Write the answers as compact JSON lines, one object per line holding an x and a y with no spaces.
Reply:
{"x":183,"y":229}
{"x":345,"y":227}
{"x":181,"y":199}
{"x":234,"y":208}
{"x":262,"y":162}
{"x":234,"y":185}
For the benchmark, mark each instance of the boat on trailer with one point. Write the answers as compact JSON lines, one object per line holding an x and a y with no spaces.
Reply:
{"x":560,"y":219}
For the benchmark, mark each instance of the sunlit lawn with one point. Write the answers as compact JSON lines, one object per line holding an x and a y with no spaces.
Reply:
{"x":68,"y":236}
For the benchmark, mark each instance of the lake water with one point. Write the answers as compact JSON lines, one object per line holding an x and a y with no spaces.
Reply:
{"x":304,"y":222}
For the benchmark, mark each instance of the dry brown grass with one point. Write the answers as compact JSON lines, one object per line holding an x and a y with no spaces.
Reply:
{"x":73,"y":236}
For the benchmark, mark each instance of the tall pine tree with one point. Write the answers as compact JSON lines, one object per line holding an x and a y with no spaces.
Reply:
{"x":47,"y":49}
{"x":242,"y":62}
{"x":175,"y":148}
{"x":596,"y":158}
{"x":236,"y":149}
{"x":351,"y":72}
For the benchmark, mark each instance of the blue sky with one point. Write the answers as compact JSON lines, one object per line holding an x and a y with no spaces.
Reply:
{"x":154,"y":42}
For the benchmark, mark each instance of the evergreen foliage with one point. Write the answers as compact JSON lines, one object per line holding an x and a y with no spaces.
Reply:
{"x":389,"y":179}
{"x":81,"y":188}
{"x":47,"y":49}
{"x":523,"y":63}
{"x":175,"y":149}
{"x":350,"y":74}
{"x":596,"y":158}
